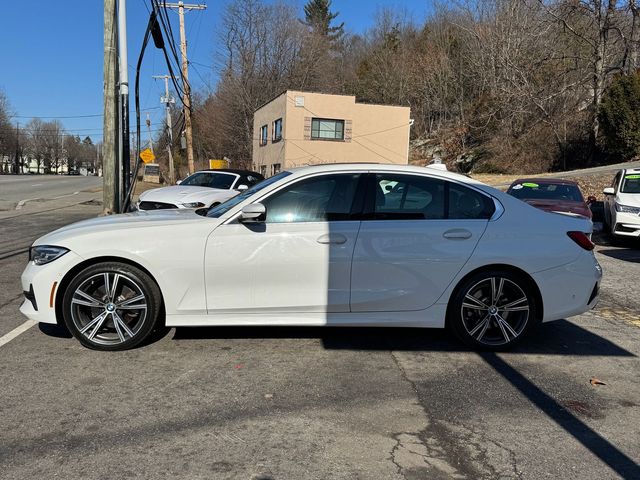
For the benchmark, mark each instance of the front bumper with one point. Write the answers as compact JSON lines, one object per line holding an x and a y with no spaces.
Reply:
{"x":41,"y":283}
{"x":570,"y":289}
{"x":627,"y":224}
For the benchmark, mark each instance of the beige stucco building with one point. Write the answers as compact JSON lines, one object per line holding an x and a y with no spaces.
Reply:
{"x":303,"y":128}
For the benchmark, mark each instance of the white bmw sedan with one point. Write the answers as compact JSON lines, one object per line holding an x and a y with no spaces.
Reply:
{"x":360,"y":244}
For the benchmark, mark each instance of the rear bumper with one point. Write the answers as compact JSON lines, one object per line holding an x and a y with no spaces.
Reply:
{"x":571,"y":289}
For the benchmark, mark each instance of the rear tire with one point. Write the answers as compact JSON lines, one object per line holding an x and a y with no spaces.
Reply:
{"x":111,"y":306}
{"x":492,"y":310}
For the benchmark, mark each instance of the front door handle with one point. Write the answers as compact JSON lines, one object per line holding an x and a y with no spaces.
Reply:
{"x":457,"y":234}
{"x":332,"y":238}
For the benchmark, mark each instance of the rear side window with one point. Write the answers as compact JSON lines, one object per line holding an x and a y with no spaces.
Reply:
{"x":412,"y":197}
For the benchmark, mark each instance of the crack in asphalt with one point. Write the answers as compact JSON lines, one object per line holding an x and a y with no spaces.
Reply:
{"x":459,"y":452}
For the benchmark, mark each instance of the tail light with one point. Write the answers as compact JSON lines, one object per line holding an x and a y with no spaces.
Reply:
{"x":581,"y":239}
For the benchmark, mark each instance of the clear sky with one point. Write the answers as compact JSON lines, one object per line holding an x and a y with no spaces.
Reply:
{"x":51,"y":54}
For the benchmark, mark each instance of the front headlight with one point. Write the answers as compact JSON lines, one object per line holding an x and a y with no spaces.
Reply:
{"x":193,"y":205}
{"x":626,"y":208}
{"x":43,"y":254}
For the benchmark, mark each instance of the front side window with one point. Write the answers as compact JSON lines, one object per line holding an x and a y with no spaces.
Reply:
{"x":277,"y":130}
{"x":317,"y":199}
{"x":210,"y":179}
{"x":326,"y":129}
{"x":264,"y":135}
{"x":408,"y":197}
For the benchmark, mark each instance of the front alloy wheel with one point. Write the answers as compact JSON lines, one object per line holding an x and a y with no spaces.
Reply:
{"x":111,"y":306}
{"x":492,"y":310}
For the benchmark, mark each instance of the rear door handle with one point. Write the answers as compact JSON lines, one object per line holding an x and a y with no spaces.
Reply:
{"x":457,"y":234}
{"x":332,"y":238}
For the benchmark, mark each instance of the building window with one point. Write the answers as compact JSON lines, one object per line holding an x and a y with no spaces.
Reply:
{"x":325,"y":129}
{"x":275,"y":169}
{"x":263,"y":170}
{"x":263,"y":135}
{"x":277,"y":130}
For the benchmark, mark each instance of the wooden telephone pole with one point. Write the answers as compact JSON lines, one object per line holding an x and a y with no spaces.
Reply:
{"x":186,"y":98}
{"x":110,"y":170}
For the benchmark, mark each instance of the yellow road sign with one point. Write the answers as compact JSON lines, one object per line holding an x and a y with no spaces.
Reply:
{"x":147,"y":155}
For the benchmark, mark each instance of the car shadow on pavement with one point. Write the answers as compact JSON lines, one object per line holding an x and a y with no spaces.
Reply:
{"x":554,"y":338}
{"x":627,"y":255}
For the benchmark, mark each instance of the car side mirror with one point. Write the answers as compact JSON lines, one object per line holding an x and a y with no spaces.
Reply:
{"x":591,"y":199}
{"x":253,"y":213}
{"x":178,"y":182}
{"x":609,"y":191}
{"x":242,"y":188}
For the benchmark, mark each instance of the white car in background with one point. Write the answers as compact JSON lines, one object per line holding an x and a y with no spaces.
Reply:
{"x":202,"y":189}
{"x":336,"y":245}
{"x":622,"y":204}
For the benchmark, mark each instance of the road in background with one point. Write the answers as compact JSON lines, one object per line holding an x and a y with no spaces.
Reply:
{"x":34,"y":192}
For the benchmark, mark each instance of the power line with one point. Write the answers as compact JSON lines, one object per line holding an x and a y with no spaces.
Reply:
{"x":71,"y":116}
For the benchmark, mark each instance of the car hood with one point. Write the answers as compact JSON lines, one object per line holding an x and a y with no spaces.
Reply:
{"x":631,"y":199}
{"x":122,"y":222}
{"x":561,"y":206}
{"x":186,"y":194}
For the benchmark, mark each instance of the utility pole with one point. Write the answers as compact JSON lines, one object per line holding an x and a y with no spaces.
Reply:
{"x":149,"y":129}
{"x":110,"y":170}
{"x":181,"y":6}
{"x":168,"y":100}
{"x":18,"y":159}
{"x":125,"y":146}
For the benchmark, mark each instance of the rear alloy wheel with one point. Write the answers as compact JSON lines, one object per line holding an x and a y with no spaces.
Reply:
{"x":111,"y":306}
{"x":492,"y":310}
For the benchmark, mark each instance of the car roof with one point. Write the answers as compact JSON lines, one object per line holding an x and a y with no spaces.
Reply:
{"x":631,"y":170}
{"x":230,"y":170}
{"x":382,"y":167}
{"x":545,"y":180}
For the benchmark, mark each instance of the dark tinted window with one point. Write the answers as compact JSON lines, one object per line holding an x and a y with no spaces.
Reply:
{"x":317,"y":199}
{"x":408,"y":197}
{"x":468,"y":203}
{"x":545,"y":191}
{"x":210,"y":179}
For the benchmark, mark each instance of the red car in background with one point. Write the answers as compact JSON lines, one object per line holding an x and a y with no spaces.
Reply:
{"x":552,"y":195}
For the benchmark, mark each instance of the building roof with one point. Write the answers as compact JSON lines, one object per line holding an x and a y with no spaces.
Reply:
{"x":332,"y":94}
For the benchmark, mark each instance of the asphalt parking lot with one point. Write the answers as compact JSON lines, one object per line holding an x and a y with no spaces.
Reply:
{"x":285,"y":403}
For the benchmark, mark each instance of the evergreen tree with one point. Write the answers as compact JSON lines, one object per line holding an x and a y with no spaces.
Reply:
{"x":318,"y":16}
{"x":620,"y":116}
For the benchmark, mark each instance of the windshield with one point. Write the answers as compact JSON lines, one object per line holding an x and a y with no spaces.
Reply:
{"x":224,"y":207}
{"x":210,"y":179}
{"x":631,"y":184}
{"x":545,"y":191}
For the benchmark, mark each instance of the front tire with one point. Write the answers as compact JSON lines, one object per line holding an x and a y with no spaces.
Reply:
{"x":492,"y":310}
{"x":111,"y":306}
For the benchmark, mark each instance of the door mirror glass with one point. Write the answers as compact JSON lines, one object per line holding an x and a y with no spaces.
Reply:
{"x":253,"y":213}
{"x":608,"y":191}
{"x":242,"y":188}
